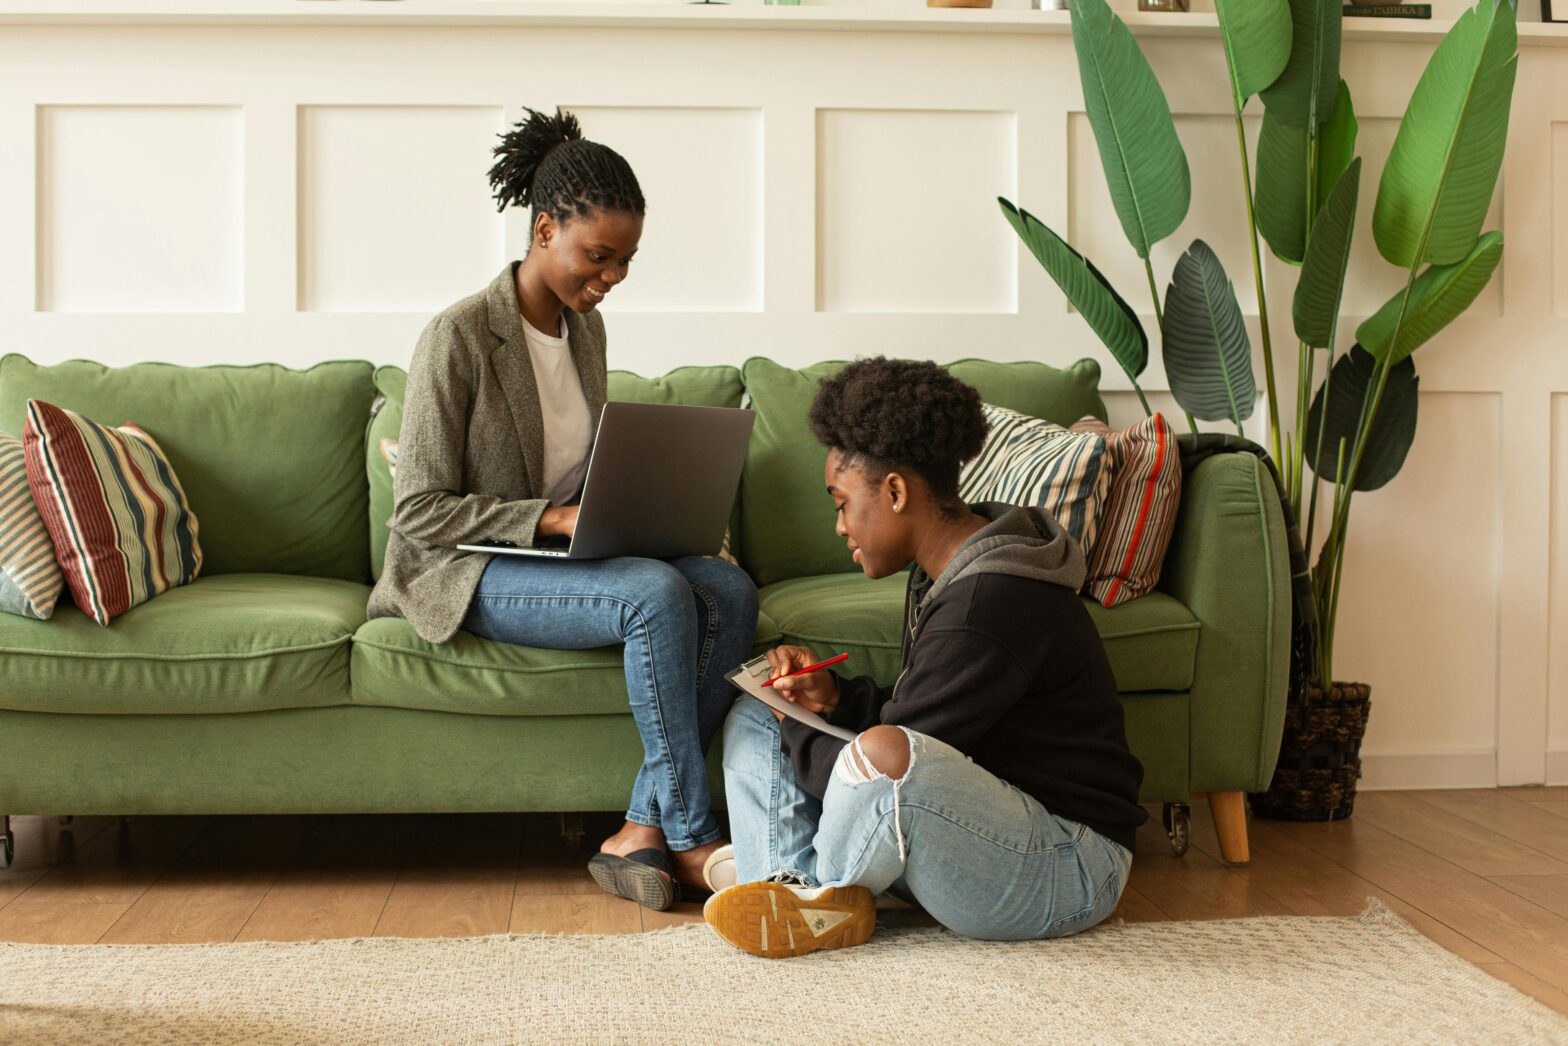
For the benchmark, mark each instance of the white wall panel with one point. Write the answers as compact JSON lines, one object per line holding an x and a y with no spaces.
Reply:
{"x":394,"y":208}
{"x":140,"y":208}
{"x":1419,"y":609}
{"x":701,"y":248}
{"x":893,"y":235}
{"x":1557,"y":615}
{"x":1559,"y":196}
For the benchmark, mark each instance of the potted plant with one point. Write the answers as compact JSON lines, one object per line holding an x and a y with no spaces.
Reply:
{"x":1355,"y":427}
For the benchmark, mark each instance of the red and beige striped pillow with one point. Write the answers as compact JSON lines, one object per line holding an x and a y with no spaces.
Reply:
{"x":1140,"y":510}
{"x":122,"y":528}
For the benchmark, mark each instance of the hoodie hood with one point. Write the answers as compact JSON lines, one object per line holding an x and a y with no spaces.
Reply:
{"x":1023,"y":542}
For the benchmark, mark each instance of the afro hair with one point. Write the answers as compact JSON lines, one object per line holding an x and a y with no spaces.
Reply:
{"x":885,"y":414}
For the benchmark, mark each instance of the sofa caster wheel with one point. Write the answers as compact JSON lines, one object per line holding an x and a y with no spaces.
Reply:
{"x":7,"y":842}
{"x":1178,"y":826}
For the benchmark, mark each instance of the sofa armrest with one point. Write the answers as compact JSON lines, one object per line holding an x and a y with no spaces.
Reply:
{"x":1229,"y":564}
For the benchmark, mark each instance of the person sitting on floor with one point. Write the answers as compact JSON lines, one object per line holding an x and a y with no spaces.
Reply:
{"x":992,"y":783}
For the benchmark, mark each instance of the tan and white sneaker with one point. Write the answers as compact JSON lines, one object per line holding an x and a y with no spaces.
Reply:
{"x":780,"y":920}
{"x":718,"y":871}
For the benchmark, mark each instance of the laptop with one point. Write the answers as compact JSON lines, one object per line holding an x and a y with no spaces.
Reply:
{"x":661,"y":482}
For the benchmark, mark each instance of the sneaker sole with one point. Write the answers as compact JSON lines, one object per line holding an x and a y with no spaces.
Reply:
{"x":771,"y":920}
{"x":635,"y":882}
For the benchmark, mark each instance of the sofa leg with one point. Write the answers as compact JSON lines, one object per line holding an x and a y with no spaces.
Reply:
{"x":1230,"y":824}
{"x":572,"y":830}
{"x":7,"y":841}
{"x":1177,"y":820}
{"x":67,"y":821}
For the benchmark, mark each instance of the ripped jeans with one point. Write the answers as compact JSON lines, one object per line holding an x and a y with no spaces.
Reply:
{"x":982,"y":857}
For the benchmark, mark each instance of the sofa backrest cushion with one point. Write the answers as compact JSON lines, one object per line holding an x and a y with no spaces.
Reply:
{"x":270,"y":458}
{"x":786,"y":518}
{"x":691,"y":386}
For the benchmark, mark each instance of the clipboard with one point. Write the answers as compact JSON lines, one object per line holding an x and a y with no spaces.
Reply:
{"x":750,"y":677}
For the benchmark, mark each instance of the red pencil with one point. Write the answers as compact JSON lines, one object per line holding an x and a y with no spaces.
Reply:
{"x":808,"y":668}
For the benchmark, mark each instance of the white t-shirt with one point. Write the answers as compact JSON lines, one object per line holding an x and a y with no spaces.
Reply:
{"x":567,"y":438}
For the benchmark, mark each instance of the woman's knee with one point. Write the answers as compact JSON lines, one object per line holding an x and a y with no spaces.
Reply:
{"x":730,"y":586}
{"x":656,"y":588}
{"x":749,"y":725}
{"x":881,"y":750}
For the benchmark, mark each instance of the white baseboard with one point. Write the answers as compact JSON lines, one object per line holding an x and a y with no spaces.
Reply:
{"x":1452,"y":768}
{"x":1557,"y":768}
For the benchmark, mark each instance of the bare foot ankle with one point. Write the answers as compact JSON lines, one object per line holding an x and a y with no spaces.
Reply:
{"x":631,"y":838}
{"x":688,"y":863}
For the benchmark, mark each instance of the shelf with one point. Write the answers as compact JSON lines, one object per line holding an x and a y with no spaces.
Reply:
{"x":670,"y":15}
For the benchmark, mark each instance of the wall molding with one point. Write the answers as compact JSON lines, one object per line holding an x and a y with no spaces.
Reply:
{"x":1443,"y":768}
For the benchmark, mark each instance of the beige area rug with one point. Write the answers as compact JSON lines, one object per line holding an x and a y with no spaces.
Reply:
{"x":1367,"y":979}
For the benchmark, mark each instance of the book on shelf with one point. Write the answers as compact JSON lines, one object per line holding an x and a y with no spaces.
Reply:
{"x":1389,"y":10}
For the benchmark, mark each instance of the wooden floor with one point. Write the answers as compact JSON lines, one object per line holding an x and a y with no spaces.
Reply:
{"x":1483,"y":873}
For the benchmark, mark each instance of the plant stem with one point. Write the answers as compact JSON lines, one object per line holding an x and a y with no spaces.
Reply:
{"x":1148,"y":411}
{"x":1294,"y":467}
{"x":1317,"y":453}
{"x":1159,"y":317}
{"x":1324,"y":579}
{"x":1154,"y":293}
{"x":1375,"y":397}
{"x":1333,"y":609}
{"x":1305,"y":358}
{"x":1257,"y":279}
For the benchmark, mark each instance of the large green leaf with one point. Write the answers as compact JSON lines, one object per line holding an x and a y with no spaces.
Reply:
{"x":1445,"y":159}
{"x":1282,"y":174}
{"x":1393,"y":430}
{"x":1145,"y":166}
{"x":1208,"y":357}
{"x":1305,"y":93}
{"x":1256,"y":34}
{"x":1439,"y":294}
{"x":1322,"y":282}
{"x":1107,"y":314}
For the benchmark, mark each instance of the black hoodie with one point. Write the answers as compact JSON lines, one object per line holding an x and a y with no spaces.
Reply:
{"x":1001,"y":661}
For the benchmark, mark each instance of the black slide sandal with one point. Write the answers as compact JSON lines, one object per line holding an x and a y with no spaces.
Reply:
{"x":643,"y":876}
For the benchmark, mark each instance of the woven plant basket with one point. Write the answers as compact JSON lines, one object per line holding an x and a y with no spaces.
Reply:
{"x":1319,"y":756}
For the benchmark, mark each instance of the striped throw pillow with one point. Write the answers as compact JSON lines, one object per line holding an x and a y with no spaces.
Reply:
{"x":123,"y":531}
{"x":1027,"y":461}
{"x":1140,"y":511}
{"x":30,"y":580}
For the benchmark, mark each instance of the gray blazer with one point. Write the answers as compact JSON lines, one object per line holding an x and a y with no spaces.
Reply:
{"x":471,"y":453}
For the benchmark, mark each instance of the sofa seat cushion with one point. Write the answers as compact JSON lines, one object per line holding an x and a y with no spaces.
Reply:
{"x":1152,"y":641}
{"x":394,"y":668}
{"x":231,"y":643}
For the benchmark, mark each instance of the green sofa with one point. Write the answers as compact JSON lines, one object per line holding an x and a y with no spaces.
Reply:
{"x":262,"y":688}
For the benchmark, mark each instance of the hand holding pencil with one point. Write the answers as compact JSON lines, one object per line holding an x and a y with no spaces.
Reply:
{"x":800,"y":677}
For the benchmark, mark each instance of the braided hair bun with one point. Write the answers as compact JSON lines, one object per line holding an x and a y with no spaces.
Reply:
{"x":545,"y":163}
{"x":523,"y":149}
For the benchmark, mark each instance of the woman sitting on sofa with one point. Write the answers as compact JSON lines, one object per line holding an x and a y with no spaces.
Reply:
{"x":504,"y":393}
{"x":992,"y":782}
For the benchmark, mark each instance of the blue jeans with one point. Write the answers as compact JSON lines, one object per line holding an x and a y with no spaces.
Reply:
{"x":685,"y":623}
{"x":982,"y":857}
